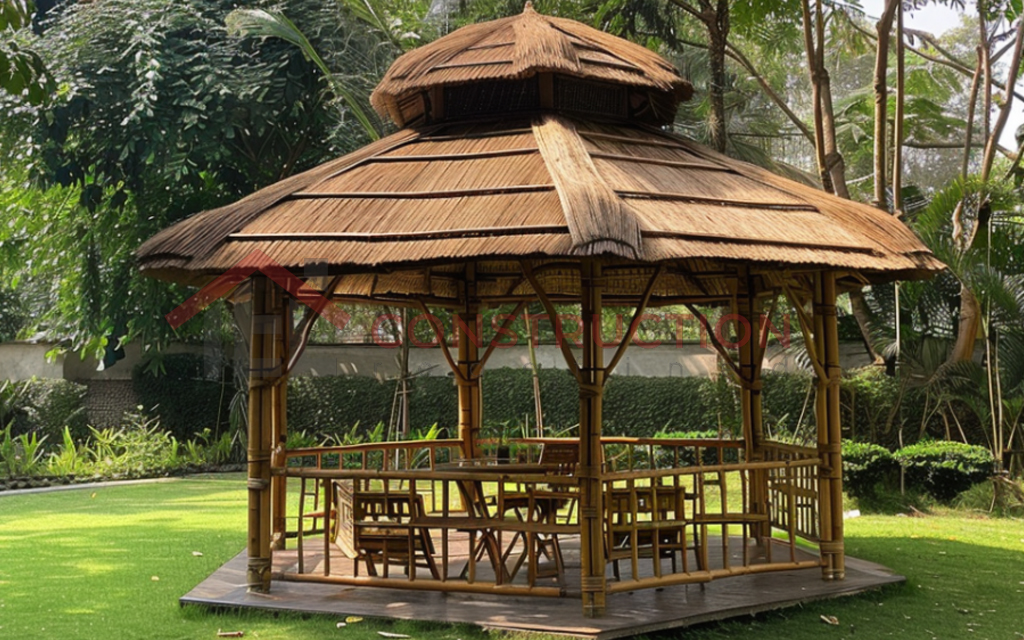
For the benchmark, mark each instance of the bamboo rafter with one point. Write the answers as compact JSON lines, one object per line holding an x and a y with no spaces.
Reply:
{"x":634,"y":323}
{"x":494,"y":343}
{"x":305,"y":328}
{"x":762,"y":339}
{"x":719,"y":347}
{"x":808,"y":333}
{"x":570,"y":359}
{"x":443,"y":343}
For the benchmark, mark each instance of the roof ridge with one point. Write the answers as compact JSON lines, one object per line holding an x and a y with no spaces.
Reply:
{"x":599,"y":220}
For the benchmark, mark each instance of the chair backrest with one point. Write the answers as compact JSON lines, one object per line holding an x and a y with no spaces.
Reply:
{"x":565,"y":455}
{"x":344,"y":504}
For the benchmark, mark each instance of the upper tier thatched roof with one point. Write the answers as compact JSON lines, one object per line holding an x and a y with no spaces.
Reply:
{"x":518,"y":48}
{"x":544,"y":188}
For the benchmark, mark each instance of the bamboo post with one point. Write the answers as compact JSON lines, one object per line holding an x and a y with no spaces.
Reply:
{"x":591,"y":384}
{"x":279,"y":427}
{"x":470,"y":398}
{"x":263,"y":370}
{"x":834,"y":416}
{"x":750,"y":393}
{"x":830,"y":475}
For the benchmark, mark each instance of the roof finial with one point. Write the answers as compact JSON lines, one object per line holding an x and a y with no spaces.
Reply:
{"x":528,"y":8}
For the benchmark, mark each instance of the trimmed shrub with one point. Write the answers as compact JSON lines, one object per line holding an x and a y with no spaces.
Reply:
{"x":183,"y":397}
{"x":943,"y":468}
{"x":866,"y":466}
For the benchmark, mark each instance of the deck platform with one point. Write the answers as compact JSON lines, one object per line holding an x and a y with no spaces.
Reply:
{"x":628,"y":613}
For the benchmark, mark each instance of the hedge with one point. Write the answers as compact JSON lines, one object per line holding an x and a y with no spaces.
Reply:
{"x":633,"y":405}
{"x":44,"y":407}
{"x":183,"y":396}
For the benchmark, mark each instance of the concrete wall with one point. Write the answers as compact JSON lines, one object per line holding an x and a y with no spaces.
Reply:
{"x":24,"y":360}
{"x":662,"y":361}
{"x":20,"y":361}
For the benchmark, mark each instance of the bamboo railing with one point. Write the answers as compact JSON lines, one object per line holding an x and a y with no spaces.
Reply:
{"x":675,"y":511}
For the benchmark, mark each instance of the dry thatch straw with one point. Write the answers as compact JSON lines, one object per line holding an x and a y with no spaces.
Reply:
{"x":559,"y":180}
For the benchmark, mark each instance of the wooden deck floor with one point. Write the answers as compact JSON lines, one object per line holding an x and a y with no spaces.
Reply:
{"x":628,"y":613}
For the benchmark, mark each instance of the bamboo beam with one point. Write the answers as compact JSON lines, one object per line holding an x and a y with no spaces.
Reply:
{"x":722,"y":202}
{"x":477,"y":155}
{"x":679,"y":164}
{"x":403,"y":236}
{"x":591,"y":387}
{"x":427,"y":585}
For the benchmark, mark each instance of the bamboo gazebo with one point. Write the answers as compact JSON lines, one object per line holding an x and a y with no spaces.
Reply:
{"x":534,"y":161}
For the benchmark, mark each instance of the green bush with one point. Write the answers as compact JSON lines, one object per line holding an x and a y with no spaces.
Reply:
{"x":44,"y":407}
{"x":944,"y":468}
{"x":865,"y":467}
{"x":708,"y":455}
{"x":185,"y":399}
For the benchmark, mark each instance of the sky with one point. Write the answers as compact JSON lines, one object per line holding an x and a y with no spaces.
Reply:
{"x":937,"y":19}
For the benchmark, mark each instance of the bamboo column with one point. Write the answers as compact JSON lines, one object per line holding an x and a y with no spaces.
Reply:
{"x":591,"y":383}
{"x":279,"y":427}
{"x":830,"y":492}
{"x":747,"y":308}
{"x":264,"y":369}
{"x":470,"y":398}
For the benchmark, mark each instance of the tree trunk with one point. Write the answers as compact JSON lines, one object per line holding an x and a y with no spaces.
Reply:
{"x":881,"y":87}
{"x":717,"y":22}
{"x":967,"y":332}
{"x":897,"y":129}
{"x":833,"y":159}
{"x":814,"y":70}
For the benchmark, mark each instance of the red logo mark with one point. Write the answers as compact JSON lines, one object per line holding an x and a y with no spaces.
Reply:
{"x":257,"y":261}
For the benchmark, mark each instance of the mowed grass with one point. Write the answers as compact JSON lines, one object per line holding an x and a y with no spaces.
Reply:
{"x":111,"y":563}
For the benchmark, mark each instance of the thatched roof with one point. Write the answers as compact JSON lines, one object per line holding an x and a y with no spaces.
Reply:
{"x":403,"y":215}
{"x":496,"y":53}
{"x":550,"y":187}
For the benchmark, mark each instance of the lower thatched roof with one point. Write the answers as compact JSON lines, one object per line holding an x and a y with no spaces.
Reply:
{"x":547,"y":189}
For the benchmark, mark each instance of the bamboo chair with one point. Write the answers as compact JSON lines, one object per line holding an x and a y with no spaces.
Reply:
{"x":563,"y":457}
{"x":723,"y":517}
{"x":647,"y":522}
{"x":381,"y":530}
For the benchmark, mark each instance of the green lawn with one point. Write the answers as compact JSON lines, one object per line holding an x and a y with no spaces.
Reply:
{"x":111,"y":563}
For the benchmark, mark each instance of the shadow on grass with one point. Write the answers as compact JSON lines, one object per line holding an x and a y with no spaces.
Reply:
{"x":954,"y":589}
